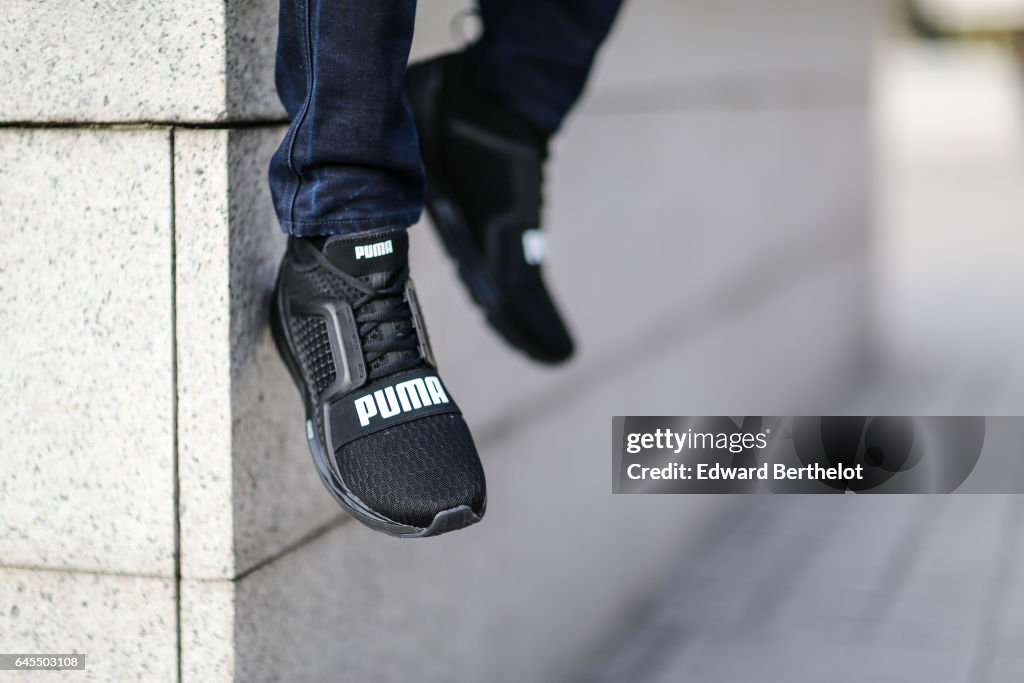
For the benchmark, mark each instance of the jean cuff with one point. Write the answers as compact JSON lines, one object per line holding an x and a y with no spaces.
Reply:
{"x":351,"y":226}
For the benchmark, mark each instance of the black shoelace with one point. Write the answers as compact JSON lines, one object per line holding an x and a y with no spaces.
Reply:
{"x":384,"y":309}
{"x":399,"y":350}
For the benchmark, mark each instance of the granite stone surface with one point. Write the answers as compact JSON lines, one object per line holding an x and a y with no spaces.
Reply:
{"x":86,"y":311}
{"x":82,"y":60}
{"x":202,"y":297}
{"x":208,"y":652}
{"x":248,"y":485}
{"x":124,"y":625}
{"x":152,"y":60}
{"x":278,"y":495}
{"x":251,"y":43}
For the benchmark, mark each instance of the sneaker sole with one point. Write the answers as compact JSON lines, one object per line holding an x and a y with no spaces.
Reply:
{"x":447,"y":520}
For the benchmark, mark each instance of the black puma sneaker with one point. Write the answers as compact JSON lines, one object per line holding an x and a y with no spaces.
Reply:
{"x":387,"y":438}
{"x":484,"y":175}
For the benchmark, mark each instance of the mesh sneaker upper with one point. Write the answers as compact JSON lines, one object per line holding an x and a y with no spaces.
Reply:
{"x":409,"y":472}
{"x":416,"y":470}
{"x":314,"y":348}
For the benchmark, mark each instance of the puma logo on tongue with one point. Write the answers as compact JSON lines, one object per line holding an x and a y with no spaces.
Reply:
{"x":367,"y":251}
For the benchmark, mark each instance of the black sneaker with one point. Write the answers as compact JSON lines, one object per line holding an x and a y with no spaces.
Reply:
{"x":386,"y":436}
{"x":484,"y":174}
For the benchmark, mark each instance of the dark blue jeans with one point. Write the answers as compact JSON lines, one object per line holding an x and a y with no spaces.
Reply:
{"x":350,"y":160}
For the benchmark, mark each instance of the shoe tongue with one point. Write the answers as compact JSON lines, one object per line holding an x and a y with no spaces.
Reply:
{"x":367,"y":255}
{"x":376,"y":260}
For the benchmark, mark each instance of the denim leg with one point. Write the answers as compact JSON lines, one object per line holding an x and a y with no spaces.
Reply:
{"x":535,"y":55}
{"x":350,"y":160}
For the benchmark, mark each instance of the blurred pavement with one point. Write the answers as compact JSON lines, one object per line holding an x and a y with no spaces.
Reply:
{"x":908,"y":588}
{"x":806,"y":589}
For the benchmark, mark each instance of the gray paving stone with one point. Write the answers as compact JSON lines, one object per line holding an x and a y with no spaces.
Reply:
{"x":898,"y":588}
{"x":250,"y":47}
{"x":814,"y":654}
{"x":1007,"y":670}
{"x":241,"y":444}
{"x":85,"y":307}
{"x":947,"y":602}
{"x":208,"y":653}
{"x":124,"y":625}
{"x":111,"y":61}
{"x":152,"y":60}
{"x":204,"y":362}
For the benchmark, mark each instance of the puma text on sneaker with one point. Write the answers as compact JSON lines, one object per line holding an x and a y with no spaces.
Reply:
{"x":387,"y":438}
{"x":371,"y":250}
{"x":403,"y":397}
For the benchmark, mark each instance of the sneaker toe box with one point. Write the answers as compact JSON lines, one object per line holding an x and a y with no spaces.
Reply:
{"x":416,"y":470}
